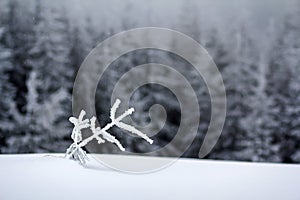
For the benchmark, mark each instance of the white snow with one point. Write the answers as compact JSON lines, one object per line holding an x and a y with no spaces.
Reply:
{"x":40,"y":176}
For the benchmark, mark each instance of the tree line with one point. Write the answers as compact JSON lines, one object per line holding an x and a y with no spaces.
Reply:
{"x":41,"y":50}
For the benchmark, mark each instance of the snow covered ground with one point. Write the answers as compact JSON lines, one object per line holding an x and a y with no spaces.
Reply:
{"x":36,"y":176}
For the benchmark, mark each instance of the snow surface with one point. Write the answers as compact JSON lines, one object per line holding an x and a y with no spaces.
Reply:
{"x":40,"y":176}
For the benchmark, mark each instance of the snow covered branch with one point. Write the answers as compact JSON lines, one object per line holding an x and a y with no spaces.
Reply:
{"x":76,"y":152}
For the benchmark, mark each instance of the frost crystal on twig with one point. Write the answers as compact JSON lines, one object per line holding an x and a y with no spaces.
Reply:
{"x":76,"y":152}
{"x":78,"y":125}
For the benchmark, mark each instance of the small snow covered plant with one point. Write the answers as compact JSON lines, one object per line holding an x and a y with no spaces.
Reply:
{"x":76,"y":152}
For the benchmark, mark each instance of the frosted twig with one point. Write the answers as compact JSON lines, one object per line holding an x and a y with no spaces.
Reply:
{"x":76,"y":152}
{"x":79,"y":124}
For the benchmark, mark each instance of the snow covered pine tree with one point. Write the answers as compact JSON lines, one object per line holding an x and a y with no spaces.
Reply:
{"x":76,"y":152}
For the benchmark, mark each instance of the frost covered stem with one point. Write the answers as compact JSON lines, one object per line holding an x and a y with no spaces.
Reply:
{"x":77,"y":153}
{"x":108,"y":126}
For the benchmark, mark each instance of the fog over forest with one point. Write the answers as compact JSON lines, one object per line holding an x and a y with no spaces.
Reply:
{"x":255,"y":45}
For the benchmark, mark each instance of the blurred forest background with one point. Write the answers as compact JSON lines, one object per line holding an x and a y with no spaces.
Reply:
{"x":255,"y":44}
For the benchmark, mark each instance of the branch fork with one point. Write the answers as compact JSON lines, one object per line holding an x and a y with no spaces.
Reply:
{"x":75,"y":150}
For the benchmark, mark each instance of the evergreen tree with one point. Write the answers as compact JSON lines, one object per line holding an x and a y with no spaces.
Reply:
{"x":240,"y":82}
{"x":6,"y":89}
{"x":48,"y":86}
{"x":284,"y":88}
{"x":18,"y":38}
{"x":259,"y":143}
